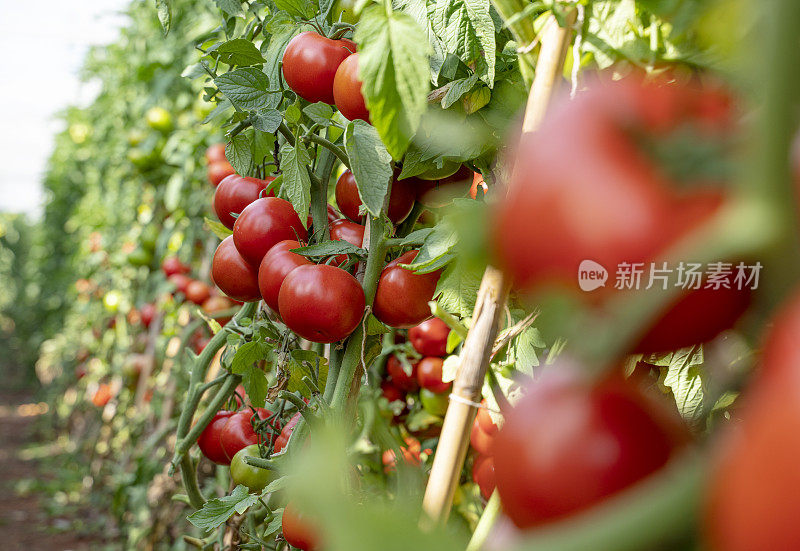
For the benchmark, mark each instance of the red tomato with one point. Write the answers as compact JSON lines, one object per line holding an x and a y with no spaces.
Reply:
{"x":238,"y":433}
{"x":233,"y":274}
{"x":478,"y":183}
{"x":429,"y":338}
{"x":209,"y":440}
{"x":402,"y":296}
{"x":180,"y":281}
{"x":343,"y":230}
{"x":147,"y":312}
{"x":262,"y":224}
{"x":286,"y":432}
{"x":216,"y":304}
{"x":297,"y":530}
{"x":217,"y":171}
{"x":392,"y":392}
{"x":347,"y":90}
{"x":401,"y":198}
{"x":754,"y":494}
{"x":234,"y":193}
{"x":216,"y":153}
{"x":333,"y":214}
{"x":411,"y":454}
{"x":483,"y":475}
{"x":482,"y":442}
{"x":310,"y":62}
{"x":609,"y":203}
{"x":484,"y":420}
{"x":275,"y":266}
{"x":568,"y":444}
{"x":197,"y":292}
{"x":172,"y":265}
{"x":102,"y":395}
{"x":429,"y":375}
{"x":321,"y":303}
{"x":399,"y":377}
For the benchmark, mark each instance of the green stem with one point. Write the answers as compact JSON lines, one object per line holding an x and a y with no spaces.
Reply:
{"x":330,"y":146}
{"x":334,"y":364}
{"x":319,"y":195}
{"x":485,"y":524}
{"x":283,"y":129}
{"x":261,"y":463}
{"x":407,"y":225}
{"x":352,"y":354}
{"x":189,"y":478}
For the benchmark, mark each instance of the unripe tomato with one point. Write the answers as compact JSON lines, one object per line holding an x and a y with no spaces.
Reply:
{"x":347,"y":90}
{"x":262,"y":224}
{"x":216,"y":153}
{"x":401,"y":198}
{"x":402,"y":296}
{"x":197,"y":292}
{"x":209,"y":440}
{"x":239,"y":433}
{"x":217,"y":171}
{"x":440,"y":191}
{"x":286,"y":432}
{"x":159,"y":119}
{"x":173,"y":265}
{"x":297,"y":530}
{"x":568,"y":444}
{"x":344,"y":10}
{"x":429,"y":375}
{"x":398,"y":375}
{"x":310,"y":62}
{"x":233,"y":274}
{"x":344,"y":230}
{"x":275,"y":266}
{"x":180,"y":281}
{"x":140,"y":257}
{"x":234,"y":193}
{"x":254,"y":478}
{"x":481,"y":442}
{"x":483,"y":475}
{"x":321,"y":303}
{"x":434,"y":403}
{"x":429,"y":338}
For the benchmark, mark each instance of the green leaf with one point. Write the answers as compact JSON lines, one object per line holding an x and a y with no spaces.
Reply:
{"x":239,"y":51}
{"x":524,"y":348}
{"x":263,"y":147}
{"x":164,"y":8}
{"x":393,"y":65}
{"x":217,"y":511}
{"x":239,"y":152}
{"x":330,"y":248}
{"x":467,"y":29}
{"x":255,"y":385}
{"x":217,"y":228}
{"x":375,"y":327}
{"x":246,"y":355}
{"x":246,"y":88}
{"x":267,"y":120}
{"x":296,"y":181}
{"x":458,"y":288}
{"x":438,"y":249}
{"x":298,"y":8}
{"x":416,"y":237}
{"x":370,"y":163}
{"x":319,"y":113}
{"x":230,"y":7}
{"x":683,"y":376}
{"x":421,"y":419}
{"x":457,"y":89}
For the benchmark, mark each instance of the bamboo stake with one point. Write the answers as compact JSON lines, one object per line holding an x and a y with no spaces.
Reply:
{"x":492,"y":296}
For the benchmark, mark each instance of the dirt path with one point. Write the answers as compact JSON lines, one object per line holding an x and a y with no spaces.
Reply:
{"x":23,"y":524}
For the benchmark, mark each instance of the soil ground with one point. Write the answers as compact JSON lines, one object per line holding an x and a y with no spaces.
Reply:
{"x":24,"y":525}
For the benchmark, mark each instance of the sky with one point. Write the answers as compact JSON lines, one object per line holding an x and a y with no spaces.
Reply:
{"x":43,"y":47}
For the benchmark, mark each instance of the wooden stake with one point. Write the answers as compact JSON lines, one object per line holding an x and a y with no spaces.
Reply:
{"x":492,"y":296}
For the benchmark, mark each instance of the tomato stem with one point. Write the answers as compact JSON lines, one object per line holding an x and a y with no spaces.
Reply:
{"x":485,"y":523}
{"x":330,"y":146}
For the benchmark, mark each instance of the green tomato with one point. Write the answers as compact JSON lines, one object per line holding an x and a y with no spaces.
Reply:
{"x":149,"y":237}
{"x":159,"y":119}
{"x":448,"y":169}
{"x":255,"y":478}
{"x":111,"y":301}
{"x":136,"y":136}
{"x":433,"y":403}
{"x":140,"y":257}
{"x":344,"y":10}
